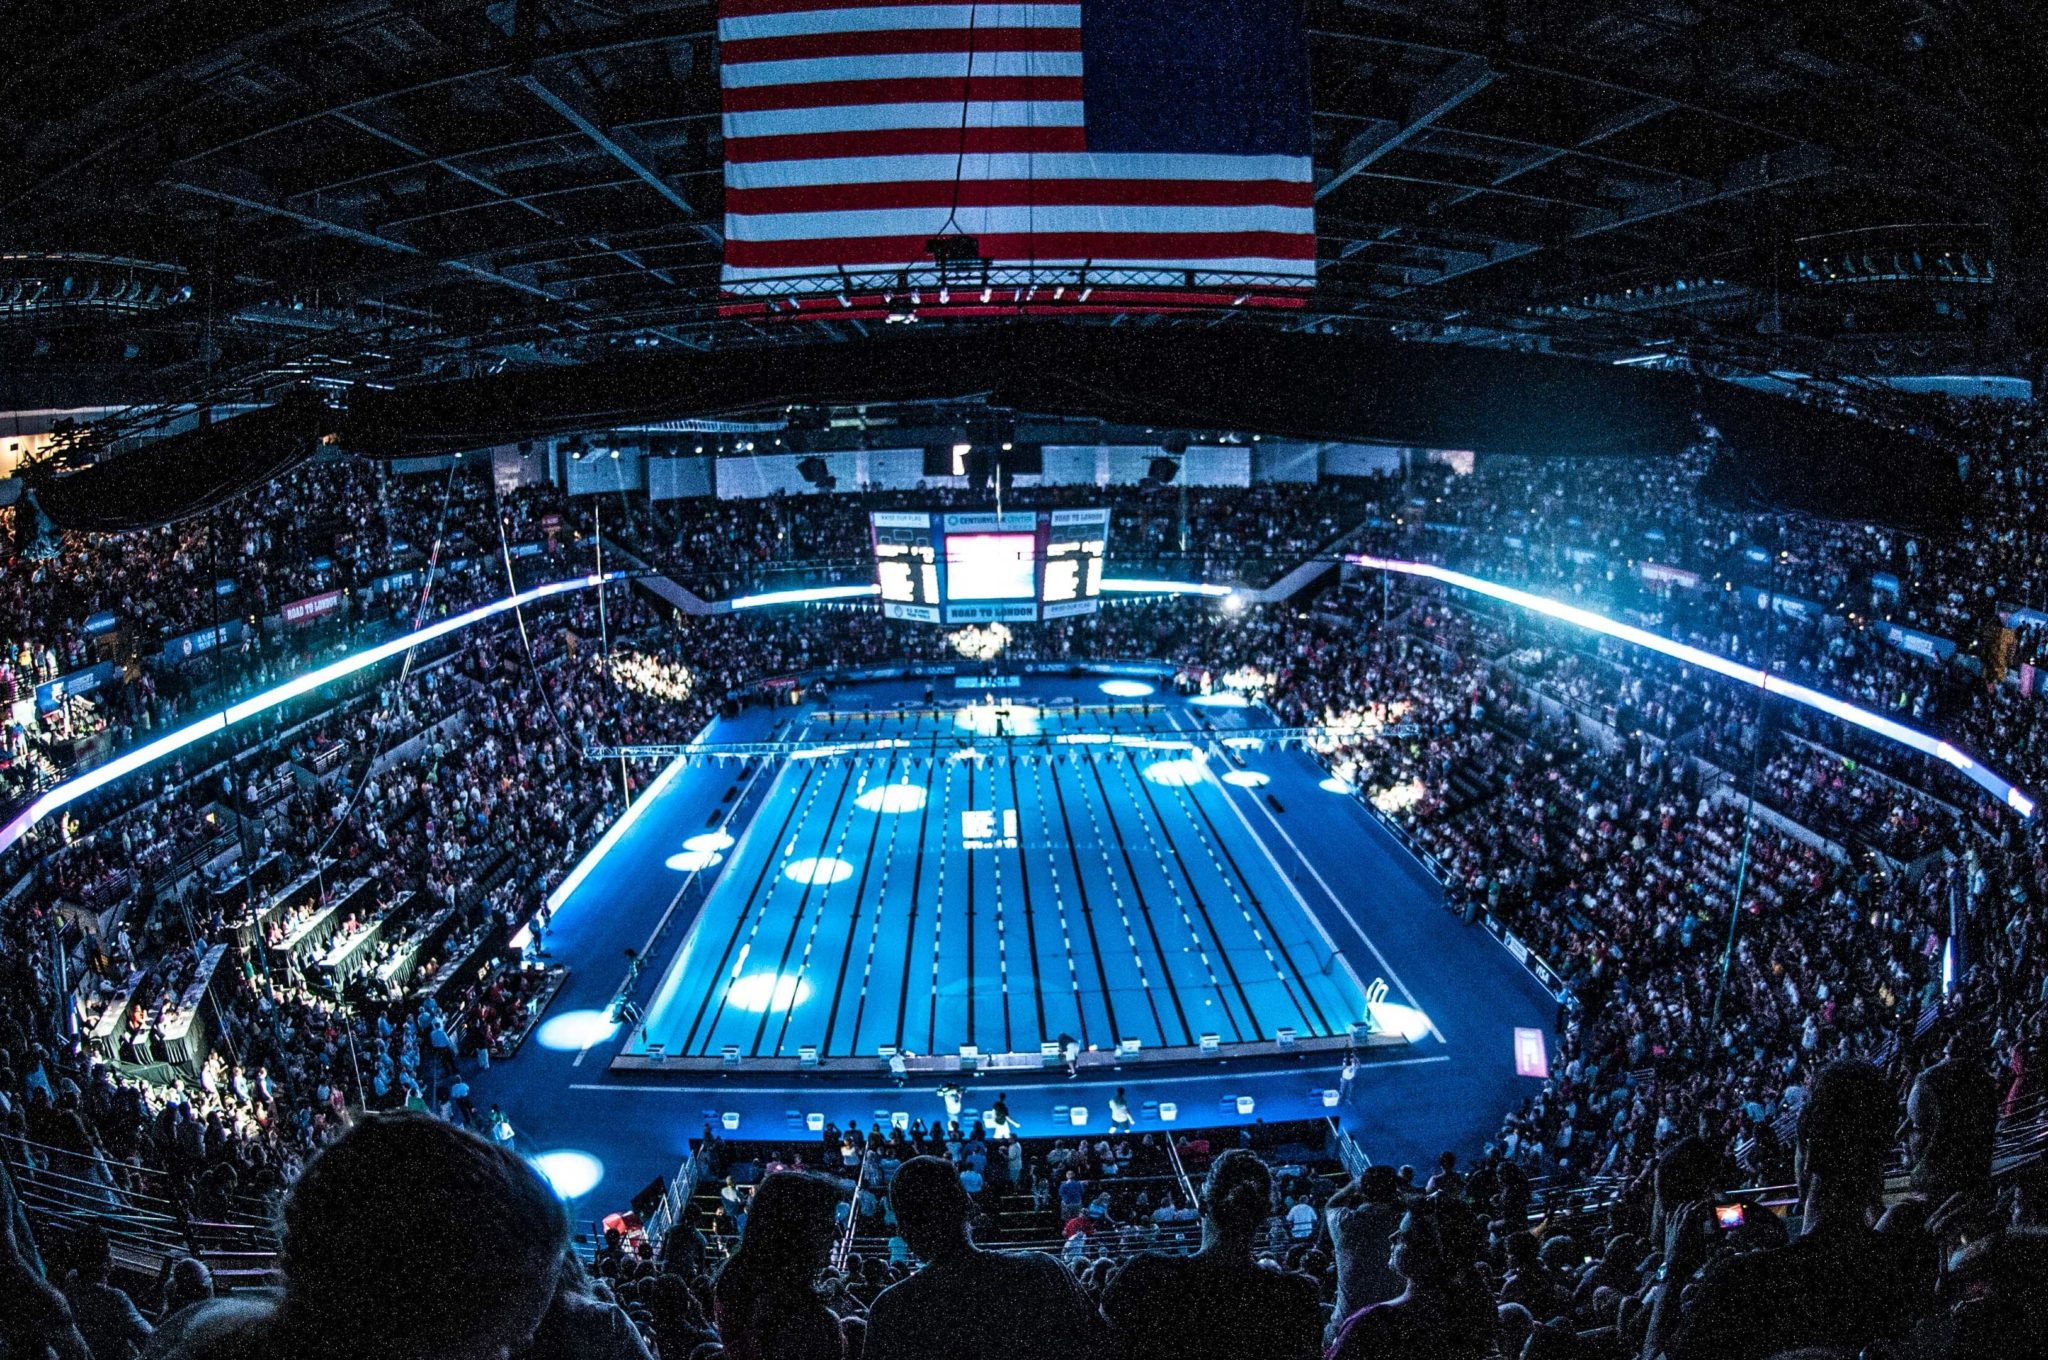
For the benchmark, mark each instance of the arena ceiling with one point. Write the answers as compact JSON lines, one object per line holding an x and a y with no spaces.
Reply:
{"x":199,"y":198}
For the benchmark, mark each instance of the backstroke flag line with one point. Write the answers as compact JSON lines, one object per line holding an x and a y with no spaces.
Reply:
{"x":1115,"y":142}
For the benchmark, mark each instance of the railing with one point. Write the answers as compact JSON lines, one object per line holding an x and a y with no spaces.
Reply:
{"x":674,"y":1200}
{"x":1180,"y":1171}
{"x":1349,"y":1153}
{"x":845,"y":1245}
{"x":143,"y":1215}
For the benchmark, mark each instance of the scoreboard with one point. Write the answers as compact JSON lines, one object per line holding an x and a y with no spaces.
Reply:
{"x":983,"y":567}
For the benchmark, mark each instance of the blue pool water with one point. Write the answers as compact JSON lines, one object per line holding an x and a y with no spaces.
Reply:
{"x":997,"y":876}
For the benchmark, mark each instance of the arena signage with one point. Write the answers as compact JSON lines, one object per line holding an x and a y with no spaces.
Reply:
{"x":1918,"y":643}
{"x":1677,"y":576}
{"x":203,"y":641}
{"x":300,"y":613}
{"x":51,"y":694}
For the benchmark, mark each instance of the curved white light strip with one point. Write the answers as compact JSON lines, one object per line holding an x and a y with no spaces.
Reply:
{"x":2014,"y":797}
{"x":1133,"y":585}
{"x":78,"y":786}
{"x":815,"y":593}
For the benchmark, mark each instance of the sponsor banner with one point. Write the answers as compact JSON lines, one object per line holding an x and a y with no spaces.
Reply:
{"x":1761,"y":556}
{"x":899,"y":519}
{"x":320,"y":564}
{"x":98,"y":624}
{"x":203,"y":641}
{"x":1069,"y":608}
{"x":312,"y":609}
{"x":1061,"y":518}
{"x":1918,"y":643}
{"x":1789,"y":605}
{"x":528,"y":549}
{"x":397,"y":580}
{"x":1022,"y":611}
{"x":1020,"y":521}
{"x":2019,"y":618}
{"x":1886,"y":582}
{"x":51,"y":694}
{"x":225,"y":588}
{"x":1677,"y":576}
{"x":1584,"y":557}
{"x":915,"y":613}
{"x":1654,"y":535}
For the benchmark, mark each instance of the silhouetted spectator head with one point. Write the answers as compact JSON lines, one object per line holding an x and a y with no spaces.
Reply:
{"x":1951,"y":1122}
{"x":932,"y":1208}
{"x":1845,"y":1133}
{"x":1238,"y":1195}
{"x":790,"y":1226}
{"x":1418,"y":1249}
{"x":189,"y":1282}
{"x":1515,"y":1323}
{"x":1685,"y":1171}
{"x":1380,"y":1185}
{"x":411,"y":1237}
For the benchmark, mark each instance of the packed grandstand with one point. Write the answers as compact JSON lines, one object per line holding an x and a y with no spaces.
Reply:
{"x":1797,"y":968}
{"x":1087,"y":680}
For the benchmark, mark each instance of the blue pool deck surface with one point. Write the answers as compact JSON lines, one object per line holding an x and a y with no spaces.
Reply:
{"x":886,"y":887}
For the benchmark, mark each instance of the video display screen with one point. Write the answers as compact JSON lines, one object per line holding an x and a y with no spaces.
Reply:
{"x":991,"y":566}
{"x":984,"y":567}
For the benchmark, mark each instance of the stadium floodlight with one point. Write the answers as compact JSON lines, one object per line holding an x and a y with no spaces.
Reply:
{"x":2014,"y":797}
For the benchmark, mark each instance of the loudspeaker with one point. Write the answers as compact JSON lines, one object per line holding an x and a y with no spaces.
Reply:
{"x":649,"y":1199}
{"x":817,"y":472}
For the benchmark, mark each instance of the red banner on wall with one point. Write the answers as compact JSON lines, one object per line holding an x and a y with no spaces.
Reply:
{"x":312,"y":609}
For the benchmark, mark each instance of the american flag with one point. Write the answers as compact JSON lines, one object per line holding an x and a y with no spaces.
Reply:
{"x":1141,"y":142}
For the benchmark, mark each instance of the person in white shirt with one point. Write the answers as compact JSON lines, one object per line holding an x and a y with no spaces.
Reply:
{"x":1120,"y":1120}
{"x":1301,"y":1220}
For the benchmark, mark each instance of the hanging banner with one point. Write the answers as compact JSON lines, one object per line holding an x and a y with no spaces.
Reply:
{"x":1918,"y":643}
{"x":98,"y":624}
{"x":1790,"y":605}
{"x":1677,"y":576}
{"x":1886,"y":582}
{"x":51,"y":694}
{"x":203,"y":641}
{"x":300,"y":613}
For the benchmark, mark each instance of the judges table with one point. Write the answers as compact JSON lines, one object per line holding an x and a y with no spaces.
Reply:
{"x":299,"y":891}
{"x":107,"y":1029}
{"x":316,"y":929}
{"x":395,"y":972}
{"x":182,"y":1030}
{"x":350,"y":954}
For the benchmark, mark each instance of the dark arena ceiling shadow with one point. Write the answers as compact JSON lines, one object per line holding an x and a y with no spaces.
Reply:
{"x":1309,"y":387}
